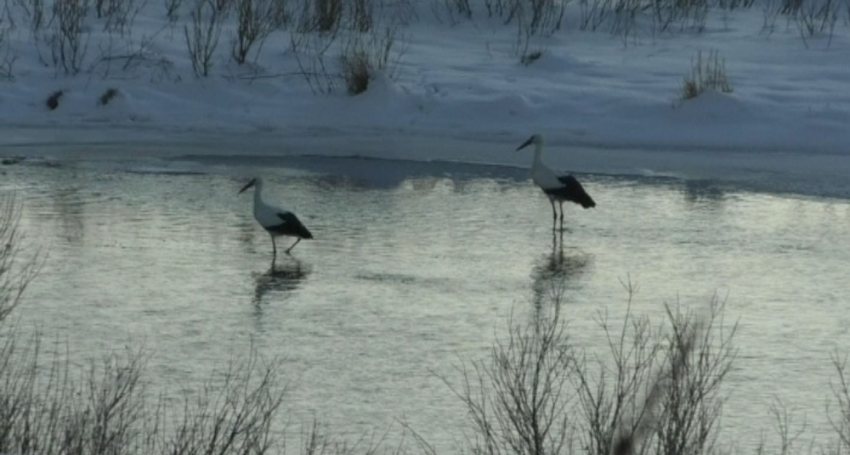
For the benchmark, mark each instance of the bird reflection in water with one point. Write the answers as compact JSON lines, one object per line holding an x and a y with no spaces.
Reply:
{"x":704,"y":193}
{"x":283,"y":279}
{"x":557,"y":270}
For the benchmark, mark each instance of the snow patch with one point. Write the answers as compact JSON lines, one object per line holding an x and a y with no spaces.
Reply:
{"x":587,"y":90}
{"x":712,"y":105}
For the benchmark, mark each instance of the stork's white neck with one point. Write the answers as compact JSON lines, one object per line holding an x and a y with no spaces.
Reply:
{"x":258,"y":198}
{"x":538,"y":153}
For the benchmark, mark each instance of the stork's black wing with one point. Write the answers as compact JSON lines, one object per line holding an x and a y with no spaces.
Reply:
{"x":291,"y":226}
{"x":573,"y":191}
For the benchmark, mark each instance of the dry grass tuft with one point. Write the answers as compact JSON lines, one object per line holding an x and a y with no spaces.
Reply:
{"x":706,"y":74}
{"x":357,"y":71}
{"x":107,"y":96}
{"x":53,"y":100}
{"x":531,"y":57}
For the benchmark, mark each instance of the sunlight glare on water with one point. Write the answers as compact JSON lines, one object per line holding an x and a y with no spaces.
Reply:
{"x":415,"y":268}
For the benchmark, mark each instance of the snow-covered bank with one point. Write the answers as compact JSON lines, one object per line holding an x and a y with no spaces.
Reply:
{"x":461,"y":81}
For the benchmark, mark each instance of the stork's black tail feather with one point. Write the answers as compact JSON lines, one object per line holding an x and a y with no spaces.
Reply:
{"x":585,"y":200}
{"x":291,"y":226}
{"x":304,"y":233}
{"x":573,"y":191}
{"x":301,"y":230}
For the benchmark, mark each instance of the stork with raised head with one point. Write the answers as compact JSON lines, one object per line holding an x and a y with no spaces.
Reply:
{"x":276,"y":221}
{"x":558,"y":188}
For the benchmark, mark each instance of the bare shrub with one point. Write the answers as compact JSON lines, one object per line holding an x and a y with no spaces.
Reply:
{"x":280,"y":14}
{"x":233,"y":414}
{"x":785,"y":427}
{"x":223,"y":7}
{"x":44,"y":410}
{"x":363,"y":58}
{"x":593,"y":13}
{"x":686,"y":14}
{"x":699,"y":357}
{"x":138,"y":54}
{"x":791,"y":6}
{"x":37,"y":15}
{"x":33,"y":11}
{"x":451,"y":8}
{"x":48,"y":406}
{"x":362,"y":12}
{"x":771,"y":10}
{"x":695,"y":16}
{"x":524,"y":37}
{"x":327,"y":14}
{"x":539,"y":17}
{"x":309,"y":50}
{"x":16,"y":273}
{"x":815,"y":17}
{"x":403,"y":12}
{"x":106,"y":409}
{"x":847,"y":11}
{"x":841,"y":394}
{"x":172,"y":10}
{"x":518,"y":398}
{"x":100,"y":8}
{"x":256,"y":21}
{"x":119,"y":14}
{"x":709,"y":73}
{"x":7,"y":57}
{"x":318,"y":439}
{"x":630,"y":19}
{"x":623,"y":17}
{"x":306,"y":22}
{"x":680,"y":373}
{"x":360,"y":56}
{"x":735,"y":4}
{"x":648,"y":391}
{"x":610,"y":389}
{"x":202,"y":38}
{"x":112,"y":408}
{"x":7,"y":65}
{"x":324,"y":16}
{"x":69,"y":41}
{"x":497,"y":7}
{"x":546,"y":15}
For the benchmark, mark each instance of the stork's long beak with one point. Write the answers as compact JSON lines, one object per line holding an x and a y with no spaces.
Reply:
{"x":249,"y":185}
{"x":525,"y":144}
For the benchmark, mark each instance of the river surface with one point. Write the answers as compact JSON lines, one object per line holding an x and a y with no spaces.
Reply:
{"x":415,"y":268}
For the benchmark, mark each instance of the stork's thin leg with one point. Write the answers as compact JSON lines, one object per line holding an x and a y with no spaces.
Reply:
{"x":562,"y":244}
{"x":293,"y":245}
{"x":554,"y":214}
{"x":274,"y":251}
{"x":554,"y":241}
{"x":561,"y":203}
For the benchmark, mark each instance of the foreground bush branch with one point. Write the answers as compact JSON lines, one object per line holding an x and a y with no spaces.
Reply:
{"x":518,"y":399}
{"x":202,"y":37}
{"x":16,"y":273}
{"x":657,"y":391}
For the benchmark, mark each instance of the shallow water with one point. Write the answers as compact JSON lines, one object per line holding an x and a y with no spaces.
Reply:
{"x":415,"y":267}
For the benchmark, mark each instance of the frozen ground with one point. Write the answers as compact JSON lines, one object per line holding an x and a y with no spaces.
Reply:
{"x":454,"y":89}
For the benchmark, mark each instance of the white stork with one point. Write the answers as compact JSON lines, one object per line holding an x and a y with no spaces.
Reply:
{"x":276,"y":221}
{"x":557,"y":187}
